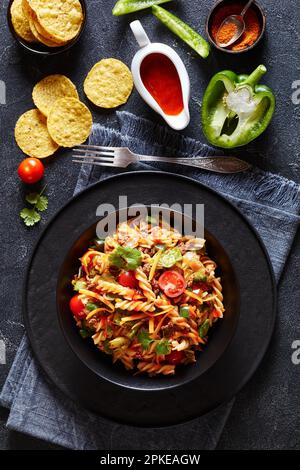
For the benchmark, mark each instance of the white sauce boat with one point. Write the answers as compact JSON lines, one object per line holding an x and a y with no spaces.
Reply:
{"x":177,"y":122}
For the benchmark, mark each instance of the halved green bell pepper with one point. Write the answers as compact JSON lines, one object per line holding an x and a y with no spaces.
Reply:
{"x":236,"y":109}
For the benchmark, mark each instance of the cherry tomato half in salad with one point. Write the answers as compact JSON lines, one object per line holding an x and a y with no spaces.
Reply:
{"x":127,"y":279}
{"x":77,"y":308}
{"x":31,"y":170}
{"x":172,"y":283}
{"x":175,"y":357}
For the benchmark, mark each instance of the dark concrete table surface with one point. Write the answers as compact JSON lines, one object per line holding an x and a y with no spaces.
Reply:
{"x":256,"y":422}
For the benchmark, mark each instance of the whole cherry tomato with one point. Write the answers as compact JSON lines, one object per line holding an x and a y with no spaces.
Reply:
{"x":31,"y":170}
{"x":77,"y":308}
{"x":127,"y":279}
{"x":172,"y":283}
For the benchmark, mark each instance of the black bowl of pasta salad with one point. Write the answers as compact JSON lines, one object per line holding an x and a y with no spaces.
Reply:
{"x":147,"y":305}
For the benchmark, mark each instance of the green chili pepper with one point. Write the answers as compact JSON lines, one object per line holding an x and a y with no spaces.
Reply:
{"x":122,"y":7}
{"x":183,"y":31}
{"x":203,"y":330}
{"x":90,"y":306}
{"x":170,"y":257}
{"x":235,"y":109}
{"x":184,"y":311}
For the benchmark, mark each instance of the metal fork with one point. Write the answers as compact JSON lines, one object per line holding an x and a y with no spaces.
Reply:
{"x":121,"y":157}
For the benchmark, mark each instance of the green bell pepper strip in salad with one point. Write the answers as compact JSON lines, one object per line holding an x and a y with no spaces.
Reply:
{"x":170,"y":257}
{"x":122,"y":7}
{"x":236,"y":109}
{"x":183,"y":31}
{"x":203,"y":330}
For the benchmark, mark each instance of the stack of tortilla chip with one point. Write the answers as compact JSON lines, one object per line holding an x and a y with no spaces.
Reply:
{"x":53,"y":23}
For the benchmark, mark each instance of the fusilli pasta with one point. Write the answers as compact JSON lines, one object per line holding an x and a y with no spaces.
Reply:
{"x":149,"y":298}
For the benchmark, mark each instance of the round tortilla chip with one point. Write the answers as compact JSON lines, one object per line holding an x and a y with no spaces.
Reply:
{"x":51,"y":89}
{"x":32,"y":135}
{"x":109,"y":83}
{"x":61,"y":20}
{"x":38,"y":36}
{"x":20,"y":21}
{"x":44,"y":33}
{"x":69,"y":122}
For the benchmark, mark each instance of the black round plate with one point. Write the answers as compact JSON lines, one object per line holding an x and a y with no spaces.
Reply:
{"x":221,"y":382}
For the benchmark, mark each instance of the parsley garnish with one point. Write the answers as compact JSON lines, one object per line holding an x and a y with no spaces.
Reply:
{"x":39,"y":203}
{"x":126,"y":258}
{"x":144,"y":339}
{"x":163,"y":347}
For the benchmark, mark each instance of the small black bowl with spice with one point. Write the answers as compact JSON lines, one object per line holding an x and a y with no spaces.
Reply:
{"x":255,"y":25}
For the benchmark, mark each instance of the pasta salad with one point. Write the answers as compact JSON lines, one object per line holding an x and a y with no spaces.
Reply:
{"x":147,"y":296}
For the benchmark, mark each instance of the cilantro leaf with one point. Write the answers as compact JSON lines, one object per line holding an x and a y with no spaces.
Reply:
{"x":79,"y":285}
{"x":144,"y":339}
{"x":163,"y":347}
{"x":39,"y":203}
{"x":126,"y":258}
{"x":42,"y":203}
{"x":32,"y":198}
{"x":30,"y":217}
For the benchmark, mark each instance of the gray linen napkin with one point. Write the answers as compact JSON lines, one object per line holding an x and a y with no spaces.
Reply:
{"x":37,"y":408}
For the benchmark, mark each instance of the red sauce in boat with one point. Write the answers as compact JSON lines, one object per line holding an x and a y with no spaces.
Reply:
{"x":159,"y":75}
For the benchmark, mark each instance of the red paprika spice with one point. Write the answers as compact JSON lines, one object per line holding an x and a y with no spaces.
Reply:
{"x":226,"y":32}
{"x":252,"y":23}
